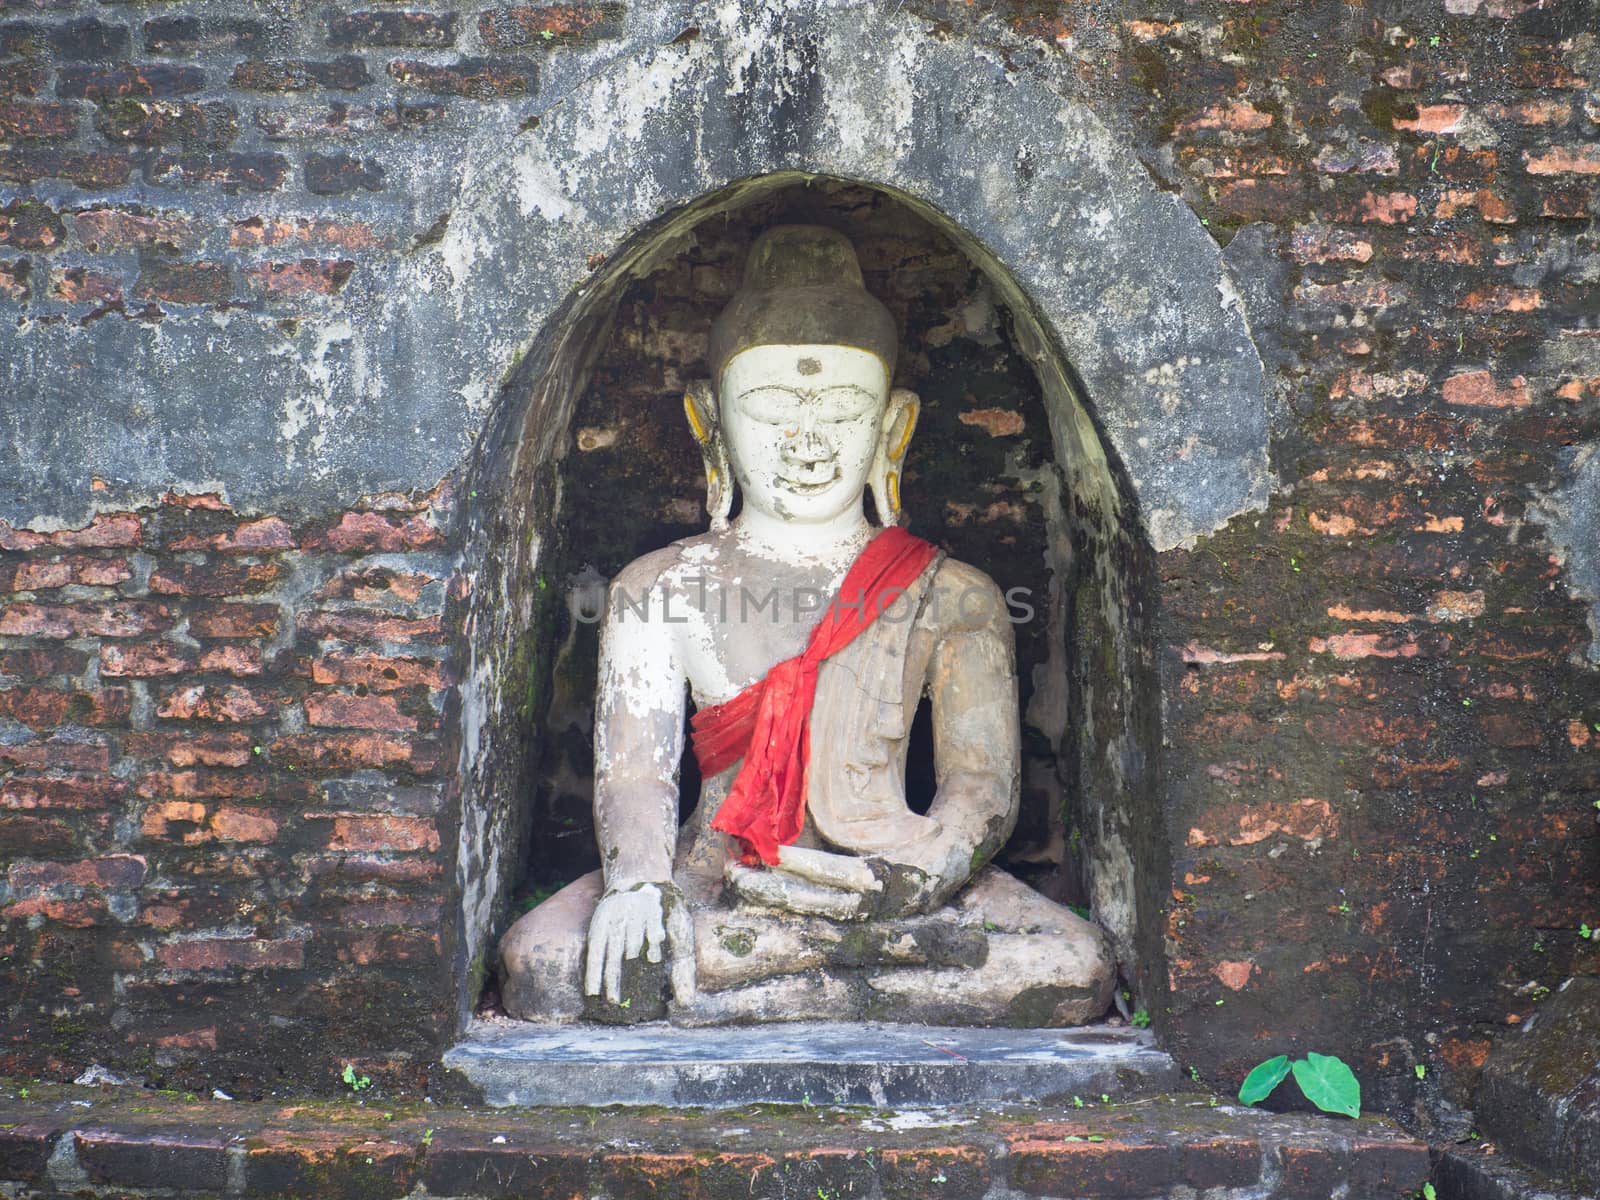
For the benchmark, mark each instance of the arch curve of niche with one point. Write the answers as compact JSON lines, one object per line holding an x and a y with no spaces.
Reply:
{"x":1118,"y":298}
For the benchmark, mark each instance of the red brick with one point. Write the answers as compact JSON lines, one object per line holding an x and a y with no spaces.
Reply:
{"x":1367,"y":645}
{"x":227,"y":954}
{"x":1104,"y":1168}
{"x":338,"y":174}
{"x":232,"y":702}
{"x":197,"y":749}
{"x":1571,"y":204}
{"x":1235,"y":116}
{"x":379,"y":673}
{"x":385,"y":947}
{"x":184,"y":283}
{"x":244,"y":825}
{"x":57,"y":754}
{"x":332,"y":1163}
{"x":1390,"y":208}
{"x":350,"y":625}
{"x":1433,"y":118}
{"x":306,"y":277}
{"x":39,"y":836}
{"x":106,"y":531}
{"x":475,"y":78}
{"x":230,"y":172}
{"x":1501,"y":299}
{"x":347,"y":234}
{"x":1367,"y":158}
{"x":232,"y":660}
{"x":404,"y":914}
{"x":14,"y":279}
{"x":347,"y":751}
{"x":375,"y":585}
{"x":340,"y":710}
{"x":1540,"y":111}
{"x":390,"y":28}
{"x":22,"y":78}
{"x":79,"y":285}
{"x":370,"y":533}
{"x":112,"y":83}
{"x":117,"y":619}
{"x":235,"y":621}
{"x":74,"y":914}
{"x":70,"y":792}
{"x":29,"y":225}
{"x":145,"y":660}
{"x":257,"y":537}
{"x":182,"y":35}
{"x":212,"y":579}
{"x":375,"y":867}
{"x":44,"y":574}
{"x":153,"y":1158}
{"x":164,"y":122}
{"x":160,"y":818}
{"x":111,"y":230}
{"x":40,"y":662}
{"x":297,"y":75}
{"x":1315,"y":243}
{"x":383,"y":833}
{"x":537,"y":26}
{"x":113,"y":871}
{"x":204,"y":785}
{"x":1477,"y":389}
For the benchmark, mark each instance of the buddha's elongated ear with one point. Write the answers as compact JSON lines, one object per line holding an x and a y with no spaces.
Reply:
{"x":700,"y":407}
{"x":888,"y":465}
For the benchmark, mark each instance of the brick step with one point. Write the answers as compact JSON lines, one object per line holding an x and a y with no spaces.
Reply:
{"x":1474,"y":1175}
{"x":101,"y":1142}
{"x":1540,"y":1095}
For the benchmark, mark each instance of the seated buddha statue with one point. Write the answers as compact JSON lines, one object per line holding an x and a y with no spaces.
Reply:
{"x":803,"y":886}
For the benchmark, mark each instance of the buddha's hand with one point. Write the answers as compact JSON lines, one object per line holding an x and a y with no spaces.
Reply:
{"x":649,"y":917}
{"x":812,"y":882}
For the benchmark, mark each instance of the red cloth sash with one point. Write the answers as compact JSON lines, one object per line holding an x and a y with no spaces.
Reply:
{"x":767,"y":724}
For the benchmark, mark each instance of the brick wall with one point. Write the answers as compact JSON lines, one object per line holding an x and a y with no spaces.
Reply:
{"x":222,"y":791}
{"x":1382,"y":742}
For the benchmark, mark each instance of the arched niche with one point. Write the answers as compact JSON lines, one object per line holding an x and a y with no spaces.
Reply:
{"x":1118,"y":299}
{"x":602,"y":469}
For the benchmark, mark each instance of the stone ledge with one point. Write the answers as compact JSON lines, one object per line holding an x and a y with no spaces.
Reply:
{"x":95,"y":1143}
{"x":802,"y":1062}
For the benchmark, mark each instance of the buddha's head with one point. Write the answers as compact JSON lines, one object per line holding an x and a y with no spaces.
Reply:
{"x":802,"y":410}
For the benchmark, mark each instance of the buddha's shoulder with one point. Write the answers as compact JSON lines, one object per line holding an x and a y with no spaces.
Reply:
{"x":961,"y":596}
{"x":686,"y":556}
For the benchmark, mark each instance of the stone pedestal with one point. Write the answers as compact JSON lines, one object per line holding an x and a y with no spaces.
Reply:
{"x":885,"y":1066}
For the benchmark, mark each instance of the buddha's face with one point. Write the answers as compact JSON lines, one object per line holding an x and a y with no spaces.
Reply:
{"x":802,"y":424}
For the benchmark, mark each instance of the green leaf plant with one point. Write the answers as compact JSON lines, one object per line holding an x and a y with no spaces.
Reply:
{"x":1324,"y":1079}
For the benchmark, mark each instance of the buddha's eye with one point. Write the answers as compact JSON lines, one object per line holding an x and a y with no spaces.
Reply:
{"x":791,"y":408}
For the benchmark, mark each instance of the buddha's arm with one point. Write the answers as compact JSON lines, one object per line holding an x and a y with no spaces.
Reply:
{"x":638,"y":741}
{"x":977,"y":745}
{"x":638,"y":738}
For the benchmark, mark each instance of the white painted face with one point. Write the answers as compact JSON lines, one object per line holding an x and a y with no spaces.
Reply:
{"x":802,"y":424}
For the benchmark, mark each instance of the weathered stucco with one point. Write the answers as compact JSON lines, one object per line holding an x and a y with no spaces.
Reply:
{"x":1121,"y":272}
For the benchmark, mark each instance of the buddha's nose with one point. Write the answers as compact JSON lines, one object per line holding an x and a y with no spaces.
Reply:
{"x":807,"y":450}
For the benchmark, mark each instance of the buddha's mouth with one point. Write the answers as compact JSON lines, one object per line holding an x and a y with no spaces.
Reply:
{"x":806,"y":487}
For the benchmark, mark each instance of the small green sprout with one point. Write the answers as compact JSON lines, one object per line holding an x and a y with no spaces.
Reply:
{"x":1140,"y":1019}
{"x":1421,"y":1071}
{"x":356,"y":1083}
